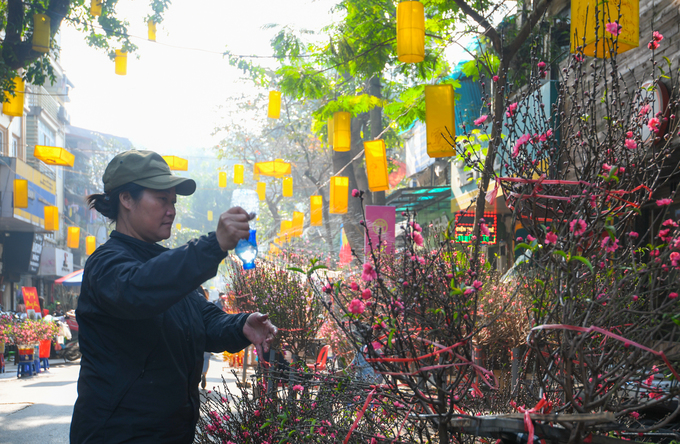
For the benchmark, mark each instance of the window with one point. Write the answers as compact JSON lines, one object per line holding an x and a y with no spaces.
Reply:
{"x":2,"y":141}
{"x":14,"y":149}
{"x":46,"y":135}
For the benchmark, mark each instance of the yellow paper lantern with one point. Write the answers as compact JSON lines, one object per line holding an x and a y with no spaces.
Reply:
{"x":410,"y":32}
{"x":298,"y":224}
{"x":96,"y":8}
{"x":54,"y":155}
{"x":315,"y":211}
{"x":90,"y":245}
{"x":179,"y":226}
{"x":14,"y":105}
{"x":262,"y":190}
{"x":41,"y":33}
{"x":20,"y":193}
{"x":177,"y":163}
{"x":210,"y":215}
{"x":339,"y":195}
{"x":585,"y":18}
{"x":285,"y":232}
{"x":274,"y":108}
{"x":287,"y":187}
{"x":121,"y":62}
{"x":152,"y":30}
{"x":376,"y":165}
{"x":440,"y":120}
{"x":51,"y":218}
{"x":238,"y":174}
{"x":342,"y":134}
{"x":275,"y":168}
{"x":222,"y":179}
{"x":73,"y":237}
{"x":273,"y":249}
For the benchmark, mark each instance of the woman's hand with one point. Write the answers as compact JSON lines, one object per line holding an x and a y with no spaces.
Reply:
{"x":260,"y":331}
{"x":232,"y":227}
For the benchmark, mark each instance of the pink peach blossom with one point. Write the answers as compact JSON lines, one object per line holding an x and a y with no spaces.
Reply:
{"x":356,"y":307}
{"x":653,"y":124}
{"x":551,"y":238}
{"x":578,"y":227}
{"x":481,"y":119}
{"x":613,"y":28}
{"x":369,"y":273}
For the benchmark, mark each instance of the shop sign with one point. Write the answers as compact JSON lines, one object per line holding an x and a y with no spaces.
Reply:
{"x":56,"y":262}
{"x":36,"y":251}
{"x":465,"y":222}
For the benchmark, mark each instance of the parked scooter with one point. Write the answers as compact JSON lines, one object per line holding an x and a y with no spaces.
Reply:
{"x":70,"y":350}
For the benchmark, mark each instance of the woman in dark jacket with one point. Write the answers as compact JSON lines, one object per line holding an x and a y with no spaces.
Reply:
{"x":143,"y":324}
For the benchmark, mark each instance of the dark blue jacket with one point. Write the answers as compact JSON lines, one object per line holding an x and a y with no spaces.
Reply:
{"x":143,"y":330}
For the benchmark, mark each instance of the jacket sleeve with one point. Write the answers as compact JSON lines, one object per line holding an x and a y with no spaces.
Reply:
{"x":223,"y":331}
{"x":127,"y":288}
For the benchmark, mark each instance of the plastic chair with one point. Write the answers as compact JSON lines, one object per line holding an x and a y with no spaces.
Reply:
{"x":320,"y":364}
{"x":26,"y":368}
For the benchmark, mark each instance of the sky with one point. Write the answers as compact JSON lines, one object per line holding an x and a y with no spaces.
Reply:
{"x":170,"y":99}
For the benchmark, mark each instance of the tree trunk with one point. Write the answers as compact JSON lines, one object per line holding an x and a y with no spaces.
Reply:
{"x":354,"y":231}
{"x":374,"y":89}
{"x":494,"y":142}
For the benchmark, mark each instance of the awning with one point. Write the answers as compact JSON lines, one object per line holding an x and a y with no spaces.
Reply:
{"x":415,"y":199}
{"x":71,"y":280}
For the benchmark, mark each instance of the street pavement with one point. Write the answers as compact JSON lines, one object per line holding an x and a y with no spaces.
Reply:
{"x":37,"y":409}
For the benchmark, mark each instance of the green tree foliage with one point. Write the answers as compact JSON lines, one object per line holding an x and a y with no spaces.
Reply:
{"x":107,"y":32}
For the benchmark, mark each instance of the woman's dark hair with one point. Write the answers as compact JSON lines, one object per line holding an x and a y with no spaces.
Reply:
{"x":107,"y":203}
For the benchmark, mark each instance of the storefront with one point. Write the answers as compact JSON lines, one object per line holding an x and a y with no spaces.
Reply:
{"x":22,"y":233}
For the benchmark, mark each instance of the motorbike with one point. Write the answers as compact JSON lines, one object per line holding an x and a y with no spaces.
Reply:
{"x":70,"y":350}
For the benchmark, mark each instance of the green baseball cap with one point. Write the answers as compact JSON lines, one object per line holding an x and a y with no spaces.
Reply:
{"x":145,"y":168}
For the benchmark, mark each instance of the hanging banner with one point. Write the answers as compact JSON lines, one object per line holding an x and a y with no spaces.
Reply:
{"x":30,"y":295}
{"x":345,"y":249}
{"x":380,"y":225}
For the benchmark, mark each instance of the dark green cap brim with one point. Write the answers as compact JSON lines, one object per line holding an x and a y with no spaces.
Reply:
{"x":183,"y":186}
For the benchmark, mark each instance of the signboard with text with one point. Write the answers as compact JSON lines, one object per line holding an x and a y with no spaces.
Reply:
{"x":465,"y":222}
{"x":380,"y":224}
{"x":31,"y":298}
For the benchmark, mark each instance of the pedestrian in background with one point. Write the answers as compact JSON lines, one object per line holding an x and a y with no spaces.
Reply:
{"x":143,"y":323}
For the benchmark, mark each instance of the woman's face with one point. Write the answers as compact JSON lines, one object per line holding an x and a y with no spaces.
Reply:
{"x":151,"y":217}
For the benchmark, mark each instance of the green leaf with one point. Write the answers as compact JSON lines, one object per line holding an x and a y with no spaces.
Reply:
{"x":523,"y":245}
{"x":314,"y":268}
{"x":389,"y":339}
{"x":584,"y":260}
{"x":299,"y":270}
{"x":561,"y":253}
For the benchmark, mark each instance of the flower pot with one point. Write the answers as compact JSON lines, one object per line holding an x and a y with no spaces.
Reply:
{"x":45,"y":348}
{"x":25,"y":353}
